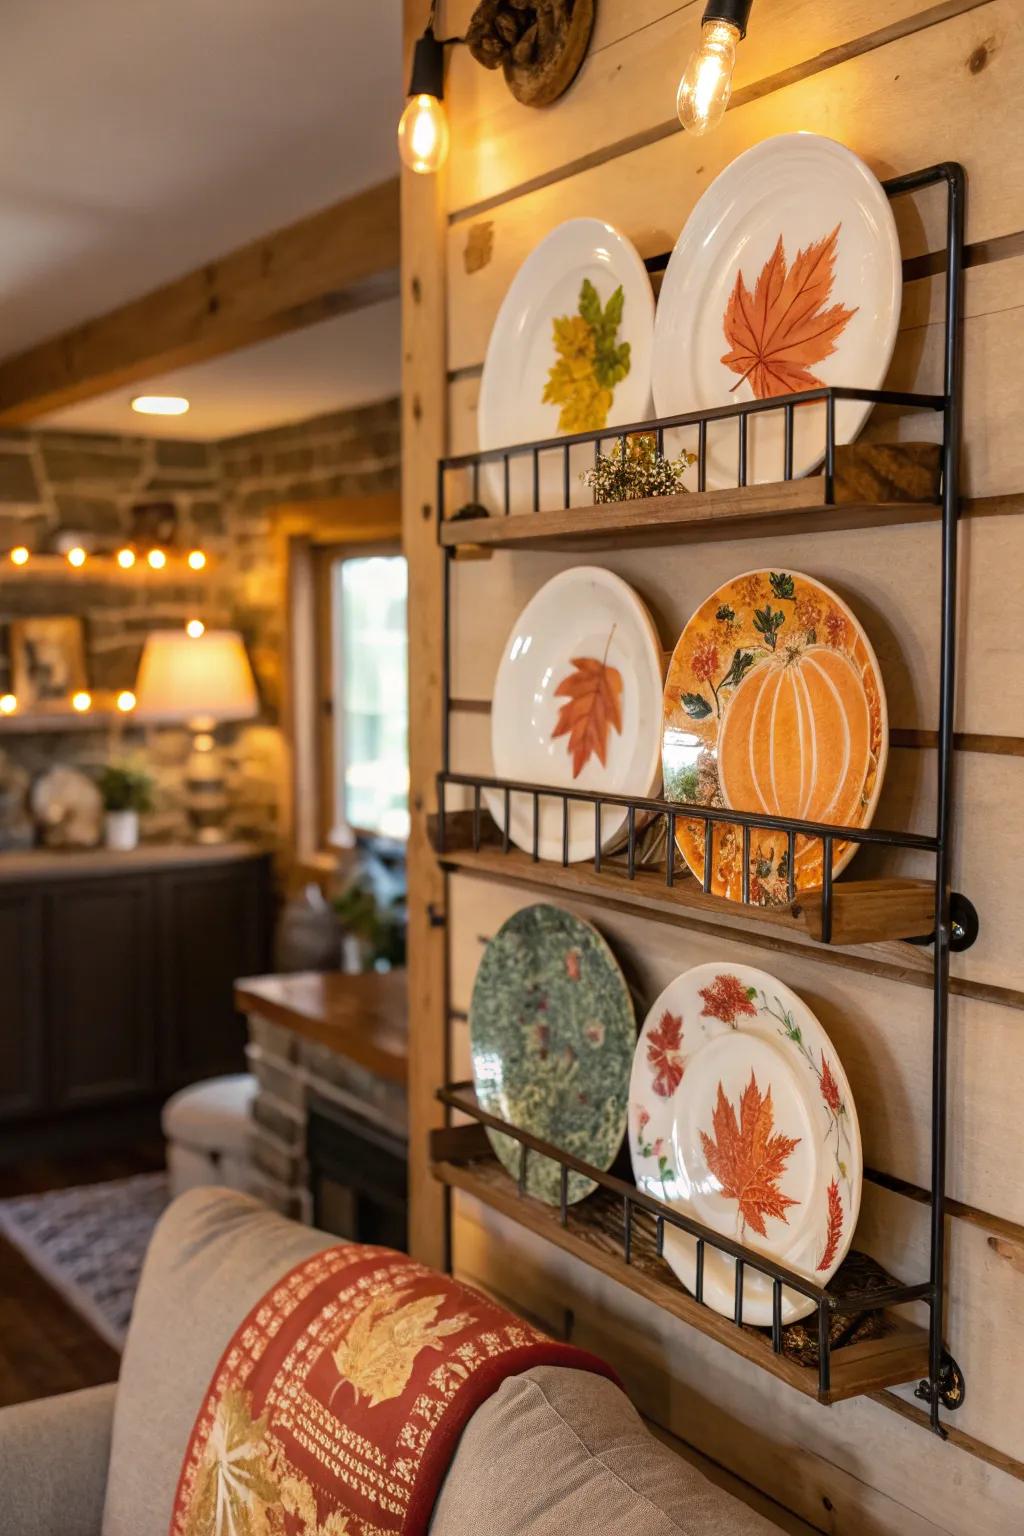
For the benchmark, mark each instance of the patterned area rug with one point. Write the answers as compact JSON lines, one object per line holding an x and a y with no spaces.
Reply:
{"x":89,"y":1243}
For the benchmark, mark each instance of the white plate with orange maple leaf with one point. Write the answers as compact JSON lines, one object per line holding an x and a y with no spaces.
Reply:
{"x":787,"y":276}
{"x":741,"y":1117}
{"x":577,"y":704}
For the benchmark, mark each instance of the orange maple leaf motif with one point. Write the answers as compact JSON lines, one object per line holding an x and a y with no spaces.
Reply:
{"x":779,"y":330}
{"x":665,"y":1054}
{"x":594,"y":692}
{"x":834,"y":1226}
{"x":746,"y":1159}
{"x":829,"y":1087}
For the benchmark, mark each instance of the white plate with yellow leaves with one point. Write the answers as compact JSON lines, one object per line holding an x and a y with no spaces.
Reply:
{"x":570,"y":352}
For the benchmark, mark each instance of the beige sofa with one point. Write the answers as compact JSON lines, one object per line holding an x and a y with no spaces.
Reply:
{"x":552,"y":1453}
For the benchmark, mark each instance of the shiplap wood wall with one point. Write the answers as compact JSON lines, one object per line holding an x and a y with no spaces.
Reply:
{"x":904,"y":84}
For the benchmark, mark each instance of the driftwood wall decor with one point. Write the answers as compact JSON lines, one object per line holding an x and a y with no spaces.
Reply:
{"x":539,"y":46}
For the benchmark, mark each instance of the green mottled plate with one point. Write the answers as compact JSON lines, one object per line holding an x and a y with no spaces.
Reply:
{"x":552,"y":1031}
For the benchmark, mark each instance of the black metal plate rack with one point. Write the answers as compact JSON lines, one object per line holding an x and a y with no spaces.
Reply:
{"x":944,"y":1384}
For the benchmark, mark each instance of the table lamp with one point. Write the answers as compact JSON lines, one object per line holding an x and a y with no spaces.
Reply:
{"x":198,"y":682}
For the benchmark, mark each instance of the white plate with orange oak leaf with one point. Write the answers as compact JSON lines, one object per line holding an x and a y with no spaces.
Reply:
{"x":577,"y":703}
{"x":741,"y":1117}
{"x":787,"y":276}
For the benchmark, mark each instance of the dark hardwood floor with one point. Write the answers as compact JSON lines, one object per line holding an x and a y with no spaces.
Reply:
{"x":45,"y":1346}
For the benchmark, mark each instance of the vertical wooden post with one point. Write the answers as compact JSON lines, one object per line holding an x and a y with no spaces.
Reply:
{"x":424,"y":401}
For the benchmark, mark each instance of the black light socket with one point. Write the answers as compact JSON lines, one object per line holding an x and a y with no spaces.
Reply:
{"x":427,"y":77}
{"x":735,"y":12}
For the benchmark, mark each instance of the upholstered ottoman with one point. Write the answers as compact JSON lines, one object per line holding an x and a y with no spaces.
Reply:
{"x":207,"y":1127}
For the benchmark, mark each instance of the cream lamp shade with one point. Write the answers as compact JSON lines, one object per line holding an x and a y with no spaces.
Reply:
{"x":195,"y":681}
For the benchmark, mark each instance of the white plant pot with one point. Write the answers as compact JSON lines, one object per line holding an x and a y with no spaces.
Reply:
{"x":121,"y":830}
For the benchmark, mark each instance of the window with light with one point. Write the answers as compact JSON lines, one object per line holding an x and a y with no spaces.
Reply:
{"x":371,"y":758}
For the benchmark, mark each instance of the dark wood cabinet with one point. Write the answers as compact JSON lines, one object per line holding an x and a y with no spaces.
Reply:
{"x":22,"y":1043}
{"x":100,"y":1018}
{"x":117,"y":977}
{"x":211,"y":933}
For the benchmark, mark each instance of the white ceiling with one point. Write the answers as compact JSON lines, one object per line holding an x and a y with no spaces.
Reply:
{"x":334,"y":366}
{"x":139,"y":138}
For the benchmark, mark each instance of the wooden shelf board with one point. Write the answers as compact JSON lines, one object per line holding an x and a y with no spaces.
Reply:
{"x":863,"y":911}
{"x":593,"y":1234}
{"x":103,"y":715}
{"x":753,"y":511}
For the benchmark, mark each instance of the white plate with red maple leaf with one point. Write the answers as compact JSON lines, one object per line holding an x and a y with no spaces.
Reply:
{"x":787,"y":276}
{"x":741,"y":1117}
{"x":577,"y":703}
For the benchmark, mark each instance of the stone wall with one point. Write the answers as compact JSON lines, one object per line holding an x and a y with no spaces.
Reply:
{"x":224,"y":495}
{"x":346,"y":453}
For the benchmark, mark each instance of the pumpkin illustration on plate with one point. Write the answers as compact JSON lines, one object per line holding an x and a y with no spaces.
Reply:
{"x":774,"y":703}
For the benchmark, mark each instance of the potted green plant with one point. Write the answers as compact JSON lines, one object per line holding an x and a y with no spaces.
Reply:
{"x":127,"y":792}
{"x":372,"y":929}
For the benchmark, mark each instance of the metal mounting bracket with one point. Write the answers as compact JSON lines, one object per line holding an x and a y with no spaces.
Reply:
{"x":963,"y":921}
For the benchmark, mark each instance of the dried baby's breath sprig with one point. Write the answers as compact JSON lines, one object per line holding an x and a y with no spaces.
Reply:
{"x":635,"y":470}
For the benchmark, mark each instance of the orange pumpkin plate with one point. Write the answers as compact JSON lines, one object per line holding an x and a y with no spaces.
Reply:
{"x":774,"y":703}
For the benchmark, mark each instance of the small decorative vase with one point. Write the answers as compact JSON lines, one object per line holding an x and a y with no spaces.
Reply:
{"x":121,"y":830}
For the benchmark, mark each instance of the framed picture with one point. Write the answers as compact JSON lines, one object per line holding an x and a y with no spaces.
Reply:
{"x":47,"y":659}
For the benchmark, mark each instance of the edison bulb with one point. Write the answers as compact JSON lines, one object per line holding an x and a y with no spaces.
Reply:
{"x":126,"y":558}
{"x":706,"y":85}
{"x":195,"y":629}
{"x":156,"y":559}
{"x":423,"y":135}
{"x":196,"y":560}
{"x":8,"y":703}
{"x":82,"y":702}
{"x":19,"y":555}
{"x":126,"y":701}
{"x":76,"y":557}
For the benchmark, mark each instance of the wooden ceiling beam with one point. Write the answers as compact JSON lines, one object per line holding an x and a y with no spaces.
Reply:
{"x":340,"y":259}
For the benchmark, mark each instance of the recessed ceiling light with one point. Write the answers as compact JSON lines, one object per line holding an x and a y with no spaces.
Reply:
{"x":160,"y":405}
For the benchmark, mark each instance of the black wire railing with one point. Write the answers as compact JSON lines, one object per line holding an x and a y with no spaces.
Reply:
{"x":740,"y":411}
{"x":462,"y":1098}
{"x":674,"y":813}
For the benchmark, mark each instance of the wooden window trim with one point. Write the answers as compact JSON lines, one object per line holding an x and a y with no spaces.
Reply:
{"x":356,"y":525}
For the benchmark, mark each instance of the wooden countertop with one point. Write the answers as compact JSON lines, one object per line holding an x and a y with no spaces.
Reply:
{"x":363,"y":1018}
{"x":64,"y":864}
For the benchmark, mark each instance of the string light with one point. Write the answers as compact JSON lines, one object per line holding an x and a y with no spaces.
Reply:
{"x":81,"y":702}
{"x":8,"y":703}
{"x":423,"y":133}
{"x":706,"y":85}
{"x":126,"y":701}
{"x":126,"y":557}
{"x":195,"y":629}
